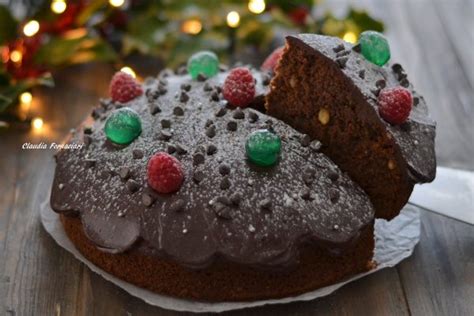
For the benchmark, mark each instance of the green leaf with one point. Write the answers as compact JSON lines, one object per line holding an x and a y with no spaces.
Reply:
{"x":10,"y":93}
{"x":8,"y":25}
{"x":61,"y":51}
{"x":364,"y":21}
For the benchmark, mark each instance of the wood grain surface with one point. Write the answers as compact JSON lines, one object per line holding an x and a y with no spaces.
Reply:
{"x":434,"y":40}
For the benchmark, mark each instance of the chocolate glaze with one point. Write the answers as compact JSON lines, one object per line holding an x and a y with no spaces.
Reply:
{"x":226,"y":206}
{"x":415,"y":137}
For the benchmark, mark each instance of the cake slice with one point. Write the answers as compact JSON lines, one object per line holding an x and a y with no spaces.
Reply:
{"x":326,"y":88}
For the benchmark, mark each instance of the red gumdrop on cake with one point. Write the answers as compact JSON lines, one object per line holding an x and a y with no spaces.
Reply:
{"x":124,"y":87}
{"x":165,"y":174}
{"x":395,"y":104}
{"x":272,"y":60}
{"x":239,"y":87}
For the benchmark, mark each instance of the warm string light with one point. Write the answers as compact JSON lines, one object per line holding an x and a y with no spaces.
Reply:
{"x":26,"y":97}
{"x":116,"y":3}
{"x":256,"y":6}
{"x":233,"y":19}
{"x":129,"y":71}
{"x":37,"y":123}
{"x":350,"y":37}
{"x":191,"y":26}
{"x":25,"y":103}
{"x":31,"y":28}
{"x":16,"y":56}
{"x":58,"y":6}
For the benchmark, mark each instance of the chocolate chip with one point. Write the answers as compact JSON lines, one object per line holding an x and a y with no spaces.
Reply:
{"x":184,"y":97}
{"x":97,"y":112}
{"x":306,"y":195}
{"x":406,"y":127}
{"x":185,"y":86}
{"x":405,"y":83}
{"x":201,"y":77}
{"x":416,"y":101}
{"x":211,"y":131}
{"x":198,"y":176}
{"x":155,"y":109}
{"x":315,"y":145}
{"x":147,"y":199}
{"x":397,"y":68}
{"x":209,"y":122}
{"x":182,"y":70}
{"x":238,"y":114}
{"x":342,"y":61}
{"x":88,"y":130}
{"x":220,"y":112}
{"x":165,"y":135}
{"x":265,"y":204}
{"x":308,"y":175}
{"x":221,"y":207}
{"x":132,"y":185}
{"x":171,"y":149}
{"x":235,"y":198}
{"x":207,"y":87}
{"x":253,"y":117}
{"x":180,"y":150}
{"x":362,"y":74}
{"x":338,"y":48}
{"x":198,"y":158}
{"x":215,"y":96}
{"x":218,"y":89}
{"x":224,"y":169}
{"x":178,"y":111}
{"x":343,"y":53}
{"x":211,"y":149}
{"x":177,"y":206}
{"x":165,"y":123}
{"x":89,"y":163}
{"x":356,"y":48}
{"x":137,"y":154}
{"x":305,"y":140}
{"x":163,"y":81}
{"x":380,"y":84}
{"x":266,"y":78}
{"x":375,"y":92}
{"x":333,"y":175}
{"x":124,"y":173}
{"x":231,"y":126}
{"x":225,"y":183}
{"x":162,"y":89}
{"x":333,"y":195}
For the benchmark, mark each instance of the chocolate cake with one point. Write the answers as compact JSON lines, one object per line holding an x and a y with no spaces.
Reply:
{"x":326,"y":88}
{"x":185,"y":187}
{"x":234,"y":230}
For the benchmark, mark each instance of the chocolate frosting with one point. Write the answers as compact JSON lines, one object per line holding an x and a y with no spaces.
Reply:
{"x":415,"y":137}
{"x":226,"y":207}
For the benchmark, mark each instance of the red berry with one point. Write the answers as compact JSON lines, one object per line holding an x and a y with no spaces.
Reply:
{"x":395,"y":104}
{"x":165,"y":173}
{"x":124,"y":87}
{"x":239,"y":87}
{"x":272,"y":60}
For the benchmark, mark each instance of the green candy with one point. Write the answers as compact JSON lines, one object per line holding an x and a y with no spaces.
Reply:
{"x":263,"y":147}
{"x":123,"y":126}
{"x":205,"y":63}
{"x":374,"y":47}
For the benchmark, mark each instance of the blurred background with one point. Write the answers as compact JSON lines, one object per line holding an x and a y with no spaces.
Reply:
{"x":58,"y":55}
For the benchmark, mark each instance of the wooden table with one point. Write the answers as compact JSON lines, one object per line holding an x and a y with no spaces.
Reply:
{"x":433,"y":39}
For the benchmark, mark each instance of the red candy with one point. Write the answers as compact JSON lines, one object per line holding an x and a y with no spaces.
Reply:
{"x":272,"y":60}
{"x":239,"y":87}
{"x":124,"y":87}
{"x":395,"y":104}
{"x":165,"y":174}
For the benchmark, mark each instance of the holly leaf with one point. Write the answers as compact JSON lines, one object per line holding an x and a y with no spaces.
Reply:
{"x":8,"y":25}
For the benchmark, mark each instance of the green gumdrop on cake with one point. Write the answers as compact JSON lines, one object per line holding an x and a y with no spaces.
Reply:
{"x":123,"y":126}
{"x":205,"y":63}
{"x":374,"y":47}
{"x":263,"y":148}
